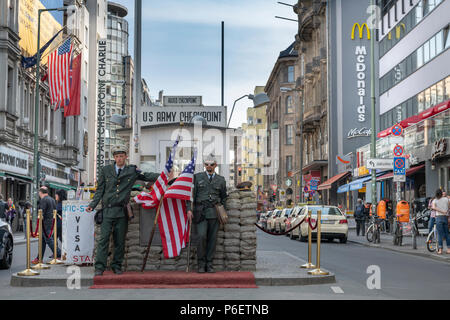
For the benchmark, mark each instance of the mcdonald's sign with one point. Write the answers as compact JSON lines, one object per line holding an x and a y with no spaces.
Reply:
{"x":361,"y":30}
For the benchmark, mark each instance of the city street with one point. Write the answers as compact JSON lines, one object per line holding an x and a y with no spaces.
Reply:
{"x":402,"y":277}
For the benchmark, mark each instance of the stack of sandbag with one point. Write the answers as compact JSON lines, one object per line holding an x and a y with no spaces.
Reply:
{"x":232,"y":232}
{"x":248,"y":230}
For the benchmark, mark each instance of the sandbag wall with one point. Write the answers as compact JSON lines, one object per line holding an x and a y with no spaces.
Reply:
{"x":236,"y":241}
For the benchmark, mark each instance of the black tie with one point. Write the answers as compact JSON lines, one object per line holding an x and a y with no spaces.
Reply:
{"x":210,"y":178}
{"x":120,"y":170}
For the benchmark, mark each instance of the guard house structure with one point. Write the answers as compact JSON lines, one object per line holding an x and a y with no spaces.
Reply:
{"x":201,"y":127}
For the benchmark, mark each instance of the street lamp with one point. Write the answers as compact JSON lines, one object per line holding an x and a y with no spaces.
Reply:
{"x":258,"y":100}
{"x":37,"y":95}
{"x":302,"y":106}
{"x":118,"y":119}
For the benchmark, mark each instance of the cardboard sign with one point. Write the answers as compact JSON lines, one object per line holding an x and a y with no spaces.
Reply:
{"x":78,"y":233}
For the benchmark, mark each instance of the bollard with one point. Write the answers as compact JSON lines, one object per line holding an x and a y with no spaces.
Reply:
{"x":55,"y":238}
{"x":308,"y":265}
{"x":40,"y":265}
{"x":28,"y":272}
{"x":317,"y":271}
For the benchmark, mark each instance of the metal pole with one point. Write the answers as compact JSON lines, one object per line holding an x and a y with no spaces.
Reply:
{"x":373,"y":147}
{"x":223,"y":63}
{"x":28,"y":272}
{"x":308,"y":265}
{"x":302,"y":106}
{"x":41,"y":265}
{"x":134,"y":139}
{"x":36,"y":116}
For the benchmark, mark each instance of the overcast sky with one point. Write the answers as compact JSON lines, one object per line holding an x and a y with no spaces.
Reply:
{"x":182,"y":46}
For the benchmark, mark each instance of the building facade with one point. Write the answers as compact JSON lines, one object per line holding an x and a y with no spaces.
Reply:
{"x":62,"y":147}
{"x":312,"y":84}
{"x":282,"y":116}
{"x":414,"y":81}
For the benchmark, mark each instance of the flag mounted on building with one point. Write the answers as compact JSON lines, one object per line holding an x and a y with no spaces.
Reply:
{"x":172,"y":220}
{"x":28,"y":62}
{"x":73,"y":108}
{"x":59,"y":73}
{"x":151,"y":200}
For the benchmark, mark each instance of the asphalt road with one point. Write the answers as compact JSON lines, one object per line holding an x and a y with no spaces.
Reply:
{"x":401,"y":277}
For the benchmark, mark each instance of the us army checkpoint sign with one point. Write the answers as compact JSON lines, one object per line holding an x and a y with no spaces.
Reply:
{"x":78,"y":233}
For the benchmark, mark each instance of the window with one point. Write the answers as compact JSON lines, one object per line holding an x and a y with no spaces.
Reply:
{"x":440,"y":92}
{"x":447,"y":88}
{"x":421,"y":102}
{"x":290,"y":75}
{"x":427,"y":98}
{"x":289,"y":107}
{"x":426,"y":52}
{"x":433,"y":97}
{"x":439,"y":42}
{"x":288,"y":164}
{"x":290,"y":134}
{"x":419,"y":57}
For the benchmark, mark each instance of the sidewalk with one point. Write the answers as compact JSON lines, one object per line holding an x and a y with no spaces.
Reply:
{"x":19,"y":238}
{"x":386,"y":242}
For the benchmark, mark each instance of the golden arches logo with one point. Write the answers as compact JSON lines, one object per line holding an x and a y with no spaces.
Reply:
{"x":398,"y":30}
{"x":361,"y":30}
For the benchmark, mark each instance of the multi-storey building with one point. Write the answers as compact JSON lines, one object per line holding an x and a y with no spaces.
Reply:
{"x":282,"y":114}
{"x":62,"y":141}
{"x":120,"y":70}
{"x":312,"y":84}
{"x":254,"y":132}
{"x":414,"y":84}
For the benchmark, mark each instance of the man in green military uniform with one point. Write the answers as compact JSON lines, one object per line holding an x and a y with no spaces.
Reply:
{"x":115,"y":183}
{"x":209,"y":188}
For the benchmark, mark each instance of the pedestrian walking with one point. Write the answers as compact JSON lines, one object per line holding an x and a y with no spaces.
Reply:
{"x":209,"y":189}
{"x":360,"y":218}
{"x":47,"y":204}
{"x":10,"y":212}
{"x":441,"y":205}
{"x":60,"y":196}
{"x":115,"y":183}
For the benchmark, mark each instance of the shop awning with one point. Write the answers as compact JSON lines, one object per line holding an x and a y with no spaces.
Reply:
{"x":409,"y":172}
{"x":18,"y":176}
{"x":430,"y":112}
{"x":357,"y":184}
{"x":55,"y":185}
{"x":327,"y":184}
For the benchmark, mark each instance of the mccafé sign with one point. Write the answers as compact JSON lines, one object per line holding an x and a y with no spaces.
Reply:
{"x":361,"y":30}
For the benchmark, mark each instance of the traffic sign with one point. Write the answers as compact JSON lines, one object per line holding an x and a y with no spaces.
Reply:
{"x":399,"y":166}
{"x":314,"y":184}
{"x":398,"y":150}
{"x":380,"y":164}
{"x":397,"y":130}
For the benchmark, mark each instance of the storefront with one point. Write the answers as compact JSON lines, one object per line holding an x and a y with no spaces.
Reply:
{"x":14,"y":174}
{"x":57,"y":176}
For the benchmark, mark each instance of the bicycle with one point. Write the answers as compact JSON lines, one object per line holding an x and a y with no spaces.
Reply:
{"x":373,"y":231}
{"x":432,"y":240}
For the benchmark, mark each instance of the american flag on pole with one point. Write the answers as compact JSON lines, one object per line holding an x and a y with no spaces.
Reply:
{"x":151,"y":200}
{"x":59,"y":73}
{"x":172,"y":221}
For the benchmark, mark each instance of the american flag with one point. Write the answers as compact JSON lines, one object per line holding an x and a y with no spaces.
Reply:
{"x":151,"y":200}
{"x":172,"y":221}
{"x":59,"y":73}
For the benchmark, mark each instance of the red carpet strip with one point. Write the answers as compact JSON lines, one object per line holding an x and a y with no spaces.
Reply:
{"x":174,"y":279}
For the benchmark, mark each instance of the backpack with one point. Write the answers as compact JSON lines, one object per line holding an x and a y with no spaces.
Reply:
{"x":359,"y":212}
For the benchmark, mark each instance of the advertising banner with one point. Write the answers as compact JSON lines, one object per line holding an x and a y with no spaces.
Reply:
{"x":28,"y":25}
{"x":78,"y":233}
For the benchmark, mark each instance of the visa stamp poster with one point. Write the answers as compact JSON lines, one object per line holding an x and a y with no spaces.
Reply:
{"x":78,"y":233}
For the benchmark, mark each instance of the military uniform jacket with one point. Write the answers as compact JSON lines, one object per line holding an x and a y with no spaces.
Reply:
{"x":114,"y":190}
{"x":207,"y":193}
